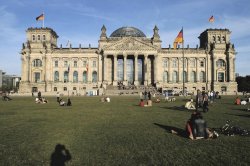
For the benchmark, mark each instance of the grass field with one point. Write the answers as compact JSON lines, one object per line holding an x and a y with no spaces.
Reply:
{"x":116,"y":133}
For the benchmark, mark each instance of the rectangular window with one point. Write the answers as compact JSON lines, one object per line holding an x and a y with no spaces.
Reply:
{"x":38,"y":37}
{"x":221,"y":77}
{"x":37,"y":77}
{"x":55,"y":89}
{"x":65,"y":63}
{"x":75,"y":63}
{"x":56,"y":63}
{"x":44,"y":37}
{"x":74,"y":88}
{"x":165,"y":63}
{"x":65,"y":88}
{"x":94,"y":63}
{"x":84,"y":63}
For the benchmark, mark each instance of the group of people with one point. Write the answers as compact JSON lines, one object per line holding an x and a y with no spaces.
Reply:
{"x":105,"y":99}
{"x":148,"y":103}
{"x":39,"y":99}
{"x":202,"y":100}
{"x":239,"y":101}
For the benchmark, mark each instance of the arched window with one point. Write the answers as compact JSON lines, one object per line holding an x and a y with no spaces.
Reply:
{"x":223,"y":38}
{"x":221,"y":63}
{"x":201,"y":63}
{"x":33,"y":37}
{"x":66,"y":76}
{"x":165,"y":76}
{"x":185,"y":76}
{"x":56,"y":76}
{"x":94,"y":77}
{"x":214,"y":38}
{"x":75,"y":76}
{"x":85,"y":77}
{"x":193,"y":76}
{"x":174,"y":77}
{"x":37,"y":63}
{"x":218,"y":38}
{"x":202,"y":76}
{"x":44,"y":37}
{"x":38,"y":37}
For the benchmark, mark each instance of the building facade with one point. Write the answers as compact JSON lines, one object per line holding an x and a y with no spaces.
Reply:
{"x":127,"y":57}
{"x":9,"y":82}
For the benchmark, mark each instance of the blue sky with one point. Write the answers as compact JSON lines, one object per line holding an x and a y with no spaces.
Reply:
{"x":80,"y":21}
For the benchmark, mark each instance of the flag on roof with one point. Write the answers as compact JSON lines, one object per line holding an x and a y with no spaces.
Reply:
{"x":178,"y":39}
{"x":211,"y":19}
{"x":41,"y":17}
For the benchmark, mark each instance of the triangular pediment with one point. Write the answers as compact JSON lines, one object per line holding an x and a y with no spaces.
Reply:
{"x":130,"y":44}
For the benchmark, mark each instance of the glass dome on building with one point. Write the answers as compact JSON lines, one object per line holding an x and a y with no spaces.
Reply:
{"x":127,"y":32}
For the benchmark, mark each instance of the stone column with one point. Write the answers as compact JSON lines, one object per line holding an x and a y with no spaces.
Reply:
{"x":170,"y":70}
{"x":215,"y":69}
{"x":105,"y":68}
{"x":145,"y":69}
{"x":188,"y":80}
{"x":136,"y":69}
{"x":115,"y":70}
{"x":196,"y":75}
{"x":100,"y":70}
{"x":208,"y":69}
{"x":29,"y":67}
{"x":179,"y":70}
{"x":155,"y":68}
{"x":232,"y":69}
{"x":125,"y":69}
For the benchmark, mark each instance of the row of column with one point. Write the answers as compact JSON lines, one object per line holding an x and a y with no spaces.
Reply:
{"x":145,"y":68}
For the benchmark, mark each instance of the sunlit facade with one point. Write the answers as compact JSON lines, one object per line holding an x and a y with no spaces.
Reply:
{"x":129,"y":58}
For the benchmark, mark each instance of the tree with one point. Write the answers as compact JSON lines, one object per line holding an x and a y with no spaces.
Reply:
{"x":243,"y":83}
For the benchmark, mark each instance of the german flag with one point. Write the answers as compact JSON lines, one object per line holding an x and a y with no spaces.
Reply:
{"x":178,"y":39}
{"x":211,"y":19}
{"x":41,"y":17}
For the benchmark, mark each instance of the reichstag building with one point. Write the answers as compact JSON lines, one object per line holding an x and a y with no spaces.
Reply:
{"x":129,"y":59}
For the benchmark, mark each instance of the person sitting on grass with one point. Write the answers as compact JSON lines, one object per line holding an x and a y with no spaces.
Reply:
{"x":5,"y":97}
{"x":243,"y":102}
{"x":44,"y":100}
{"x":149,"y":103}
{"x":237,"y":101}
{"x":189,"y":105}
{"x":157,"y":100}
{"x":107,"y":99}
{"x":196,"y":127}
{"x":38,"y":101}
{"x":62,"y":103}
{"x":69,"y":102}
{"x":141,"y":104}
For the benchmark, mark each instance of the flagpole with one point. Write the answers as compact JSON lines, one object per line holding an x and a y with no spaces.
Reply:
{"x":43,"y":19}
{"x":183,"y":81}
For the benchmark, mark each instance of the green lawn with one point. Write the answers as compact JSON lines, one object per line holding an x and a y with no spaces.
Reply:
{"x":116,"y":133}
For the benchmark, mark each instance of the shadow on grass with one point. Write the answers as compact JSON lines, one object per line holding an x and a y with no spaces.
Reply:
{"x":60,"y":156}
{"x":241,"y":109}
{"x":178,"y":108}
{"x":241,"y":115}
{"x":169,"y":129}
